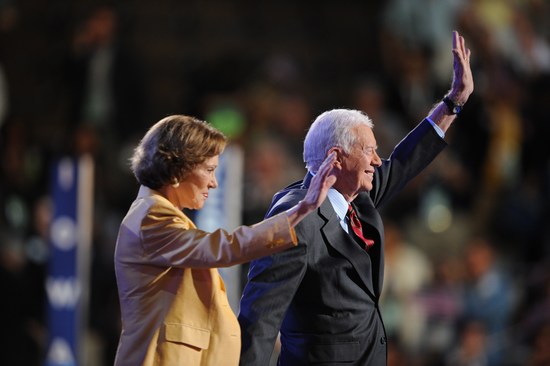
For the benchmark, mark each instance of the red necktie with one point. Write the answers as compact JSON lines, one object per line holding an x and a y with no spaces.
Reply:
{"x":357,"y":229}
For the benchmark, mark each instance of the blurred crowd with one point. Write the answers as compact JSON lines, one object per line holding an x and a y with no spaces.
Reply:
{"x":468,"y":246}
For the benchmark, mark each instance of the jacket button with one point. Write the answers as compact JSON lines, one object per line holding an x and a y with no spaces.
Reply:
{"x":382,"y":340}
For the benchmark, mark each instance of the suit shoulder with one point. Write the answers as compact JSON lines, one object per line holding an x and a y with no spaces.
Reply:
{"x":285,"y":199}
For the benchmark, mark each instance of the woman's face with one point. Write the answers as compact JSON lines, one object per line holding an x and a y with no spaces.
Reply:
{"x":193,"y":189}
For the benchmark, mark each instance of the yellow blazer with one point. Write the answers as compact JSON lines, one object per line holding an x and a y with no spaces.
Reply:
{"x":174,"y":306}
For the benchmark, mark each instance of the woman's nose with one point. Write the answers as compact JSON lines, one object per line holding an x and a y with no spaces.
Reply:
{"x":214,"y":183}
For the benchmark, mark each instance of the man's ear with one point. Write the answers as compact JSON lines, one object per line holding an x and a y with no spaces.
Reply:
{"x":338,"y":151}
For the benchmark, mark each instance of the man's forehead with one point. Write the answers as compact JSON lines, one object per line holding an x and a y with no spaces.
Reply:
{"x":364,"y":136}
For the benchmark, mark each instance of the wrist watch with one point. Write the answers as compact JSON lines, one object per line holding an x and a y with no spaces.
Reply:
{"x":452,"y":106}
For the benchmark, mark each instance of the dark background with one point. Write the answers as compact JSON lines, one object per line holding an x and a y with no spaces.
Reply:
{"x":468,"y":243}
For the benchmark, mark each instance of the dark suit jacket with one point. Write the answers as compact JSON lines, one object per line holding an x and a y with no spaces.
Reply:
{"x":323,"y":295}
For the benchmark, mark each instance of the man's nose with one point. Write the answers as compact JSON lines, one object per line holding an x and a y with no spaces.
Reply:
{"x":376,"y":160}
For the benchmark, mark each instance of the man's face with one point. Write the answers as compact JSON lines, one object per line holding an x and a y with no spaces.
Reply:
{"x":357,"y":167}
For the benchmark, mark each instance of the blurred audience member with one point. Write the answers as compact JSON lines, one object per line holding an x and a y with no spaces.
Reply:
{"x":540,"y":355}
{"x":471,"y":349}
{"x":371,"y":95}
{"x":490,"y":294}
{"x":407,"y":271}
{"x":441,"y":307}
{"x":22,"y":331}
{"x":108,"y":105}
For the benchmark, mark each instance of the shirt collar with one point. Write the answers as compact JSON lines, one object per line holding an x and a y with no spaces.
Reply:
{"x":338,"y":202}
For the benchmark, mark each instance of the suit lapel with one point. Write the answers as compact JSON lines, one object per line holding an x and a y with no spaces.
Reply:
{"x":338,"y":239}
{"x":372,"y":228}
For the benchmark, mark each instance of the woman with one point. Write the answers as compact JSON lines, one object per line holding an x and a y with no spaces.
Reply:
{"x":174,"y":307}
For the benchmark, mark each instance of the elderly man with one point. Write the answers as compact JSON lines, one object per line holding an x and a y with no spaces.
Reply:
{"x":323,"y":295}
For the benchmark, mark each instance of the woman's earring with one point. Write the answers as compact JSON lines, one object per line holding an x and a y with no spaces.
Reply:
{"x":176,"y":185}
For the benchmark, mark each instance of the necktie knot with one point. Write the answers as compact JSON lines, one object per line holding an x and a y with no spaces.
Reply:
{"x":357,"y":228}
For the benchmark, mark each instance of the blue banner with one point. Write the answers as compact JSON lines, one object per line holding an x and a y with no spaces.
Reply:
{"x":66,"y":282}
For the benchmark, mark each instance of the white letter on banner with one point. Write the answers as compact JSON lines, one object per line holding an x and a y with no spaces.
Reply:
{"x":63,"y":292}
{"x":60,"y":353}
{"x":65,"y":177}
{"x":63,"y":233}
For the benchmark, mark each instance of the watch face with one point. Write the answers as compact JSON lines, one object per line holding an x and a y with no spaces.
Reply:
{"x":453,"y":108}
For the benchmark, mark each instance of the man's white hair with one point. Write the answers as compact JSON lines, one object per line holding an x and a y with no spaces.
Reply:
{"x":332,"y":128}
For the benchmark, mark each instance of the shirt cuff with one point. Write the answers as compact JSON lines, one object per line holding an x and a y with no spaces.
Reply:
{"x":436,"y":128}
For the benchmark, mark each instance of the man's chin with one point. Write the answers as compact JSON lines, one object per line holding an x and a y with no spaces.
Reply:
{"x":366,"y":188}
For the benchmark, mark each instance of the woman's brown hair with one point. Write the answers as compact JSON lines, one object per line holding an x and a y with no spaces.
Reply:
{"x":173,"y":147}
